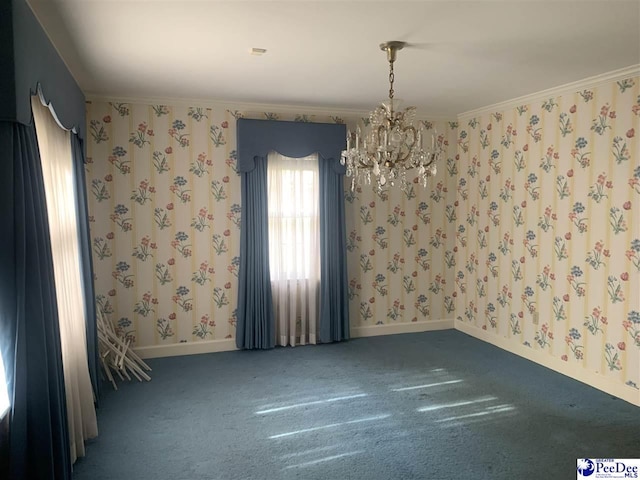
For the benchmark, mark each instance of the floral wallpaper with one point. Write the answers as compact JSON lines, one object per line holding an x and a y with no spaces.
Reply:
{"x":401,"y":254}
{"x":164,"y":201}
{"x":165,"y":212}
{"x":547,"y":234}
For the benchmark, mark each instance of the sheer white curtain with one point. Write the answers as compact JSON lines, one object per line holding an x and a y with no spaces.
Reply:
{"x":57,"y":168}
{"x":294,"y":246}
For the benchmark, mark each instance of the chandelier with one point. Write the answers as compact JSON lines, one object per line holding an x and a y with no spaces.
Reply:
{"x":389,"y":146}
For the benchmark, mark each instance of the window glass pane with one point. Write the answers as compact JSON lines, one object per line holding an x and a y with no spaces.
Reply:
{"x":293,"y":217}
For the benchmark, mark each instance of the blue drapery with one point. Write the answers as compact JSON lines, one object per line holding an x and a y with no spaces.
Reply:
{"x":255,"y":325}
{"x":256,"y":138}
{"x":29,"y":333}
{"x":29,"y":328}
{"x":334,"y":299}
{"x":86,"y":261}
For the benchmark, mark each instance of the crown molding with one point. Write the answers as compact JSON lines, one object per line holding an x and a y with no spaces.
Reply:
{"x":228,"y":105}
{"x":348,"y":113}
{"x":590,"y":82}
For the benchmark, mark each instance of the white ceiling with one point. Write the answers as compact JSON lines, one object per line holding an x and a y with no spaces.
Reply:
{"x":465,"y":55}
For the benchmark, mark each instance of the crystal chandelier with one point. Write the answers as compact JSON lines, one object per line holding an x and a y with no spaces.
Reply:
{"x":390,"y":145}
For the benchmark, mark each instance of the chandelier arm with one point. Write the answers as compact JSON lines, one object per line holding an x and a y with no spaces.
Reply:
{"x":364,"y":164}
{"x":409,"y":147}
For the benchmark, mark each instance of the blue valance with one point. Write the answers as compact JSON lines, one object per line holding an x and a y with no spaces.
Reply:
{"x":31,"y":62}
{"x":256,"y":138}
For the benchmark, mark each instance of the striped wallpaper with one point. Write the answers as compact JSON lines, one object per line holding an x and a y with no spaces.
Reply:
{"x":548,"y":236}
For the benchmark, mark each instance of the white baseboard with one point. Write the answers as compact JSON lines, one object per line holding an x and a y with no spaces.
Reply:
{"x":188,"y":348}
{"x":228,"y":344}
{"x":570,"y":370}
{"x":392,"y":329}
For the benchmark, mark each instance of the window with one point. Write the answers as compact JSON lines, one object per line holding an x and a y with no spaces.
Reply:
{"x":293,"y":217}
{"x":294,"y":251}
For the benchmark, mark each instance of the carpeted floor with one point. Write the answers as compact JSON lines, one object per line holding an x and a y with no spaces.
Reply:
{"x":435,"y":405}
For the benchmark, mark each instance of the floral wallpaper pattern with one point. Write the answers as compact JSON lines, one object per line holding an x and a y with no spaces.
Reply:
{"x":165,"y":210}
{"x":165,"y":218}
{"x":401,"y":259}
{"x":548,"y":238}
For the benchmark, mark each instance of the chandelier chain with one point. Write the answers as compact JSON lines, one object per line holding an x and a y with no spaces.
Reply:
{"x":392,"y":77}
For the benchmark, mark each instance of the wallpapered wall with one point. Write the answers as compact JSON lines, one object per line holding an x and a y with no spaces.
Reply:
{"x":165,"y":215}
{"x":401,"y":257}
{"x":548,"y":198}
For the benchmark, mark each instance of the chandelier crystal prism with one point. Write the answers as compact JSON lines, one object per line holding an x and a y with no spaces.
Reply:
{"x":388,"y":148}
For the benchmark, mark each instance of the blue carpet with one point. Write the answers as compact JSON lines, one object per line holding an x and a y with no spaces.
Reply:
{"x":434,"y":405}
